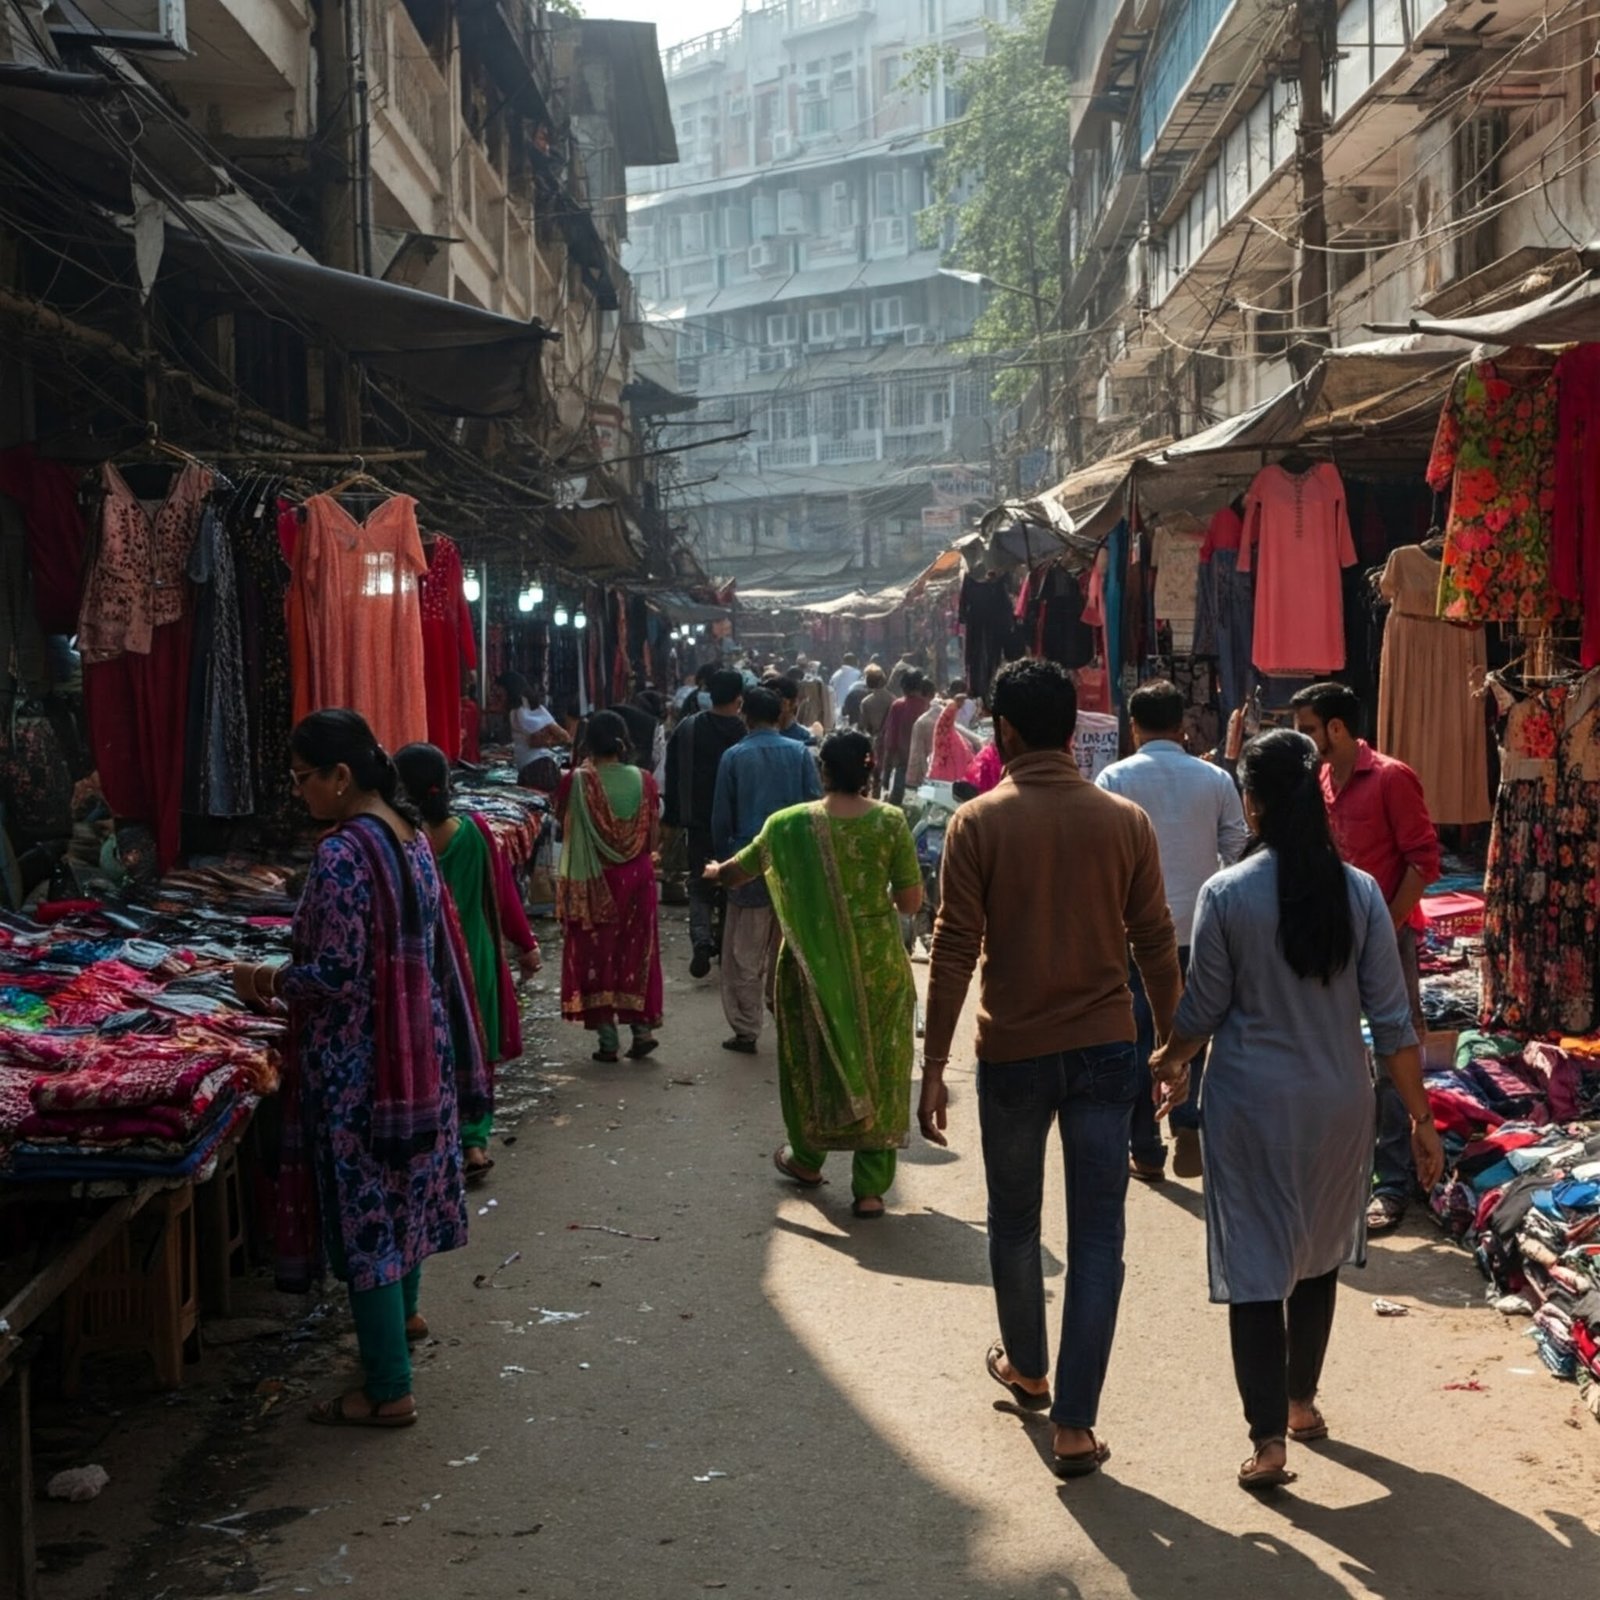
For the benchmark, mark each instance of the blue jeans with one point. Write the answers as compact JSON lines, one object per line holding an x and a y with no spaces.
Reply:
{"x":1144,"y":1138}
{"x":1394,"y":1172}
{"x":1090,"y":1094}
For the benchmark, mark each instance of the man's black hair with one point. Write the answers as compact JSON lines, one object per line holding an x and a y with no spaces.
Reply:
{"x":1039,"y":700}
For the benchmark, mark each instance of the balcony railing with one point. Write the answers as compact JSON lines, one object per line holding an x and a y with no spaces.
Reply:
{"x":480,"y":194}
{"x":706,"y":50}
{"x":823,"y":13}
{"x":1177,"y":57}
{"x":405,"y":76}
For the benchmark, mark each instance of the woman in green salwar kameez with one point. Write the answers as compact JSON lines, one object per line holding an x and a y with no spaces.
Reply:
{"x":840,"y":871}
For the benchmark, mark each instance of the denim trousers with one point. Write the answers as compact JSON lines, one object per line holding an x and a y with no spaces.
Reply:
{"x":1144,"y":1137}
{"x":1394,"y":1172}
{"x":1089,"y":1094}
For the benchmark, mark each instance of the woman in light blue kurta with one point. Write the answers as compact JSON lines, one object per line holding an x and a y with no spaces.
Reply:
{"x":1290,"y":948}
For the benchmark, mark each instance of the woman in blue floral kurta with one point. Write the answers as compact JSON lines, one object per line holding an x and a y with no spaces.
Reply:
{"x":382,"y":1034}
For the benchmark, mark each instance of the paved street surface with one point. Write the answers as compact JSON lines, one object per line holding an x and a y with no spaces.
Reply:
{"x":759,"y":1395}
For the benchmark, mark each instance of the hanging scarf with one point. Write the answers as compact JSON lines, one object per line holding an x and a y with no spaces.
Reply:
{"x":594,"y":838}
{"x":951,"y":753}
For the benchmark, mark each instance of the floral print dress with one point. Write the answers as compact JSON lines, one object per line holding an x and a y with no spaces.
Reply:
{"x":1542,"y":885}
{"x":1495,"y":452}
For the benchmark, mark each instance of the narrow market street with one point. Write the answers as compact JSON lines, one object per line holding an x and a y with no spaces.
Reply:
{"x":755,"y":1394}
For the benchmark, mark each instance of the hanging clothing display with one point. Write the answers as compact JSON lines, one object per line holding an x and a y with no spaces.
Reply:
{"x":448,"y":649}
{"x":1176,"y":556}
{"x":1225,"y":609}
{"x":1575,"y":534}
{"x":989,"y":625}
{"x":134,"y":633}
{"x":218,"y":778}
{"x":1296,"y":542}
{"x":258,"y":523}
{"x":136,"y":582}
{"x":47,"y":491}
{"x":1495,"y":452}
{"x":1428,"y":713}
{"x":355,"y":634}
{"x":1541,"y":889}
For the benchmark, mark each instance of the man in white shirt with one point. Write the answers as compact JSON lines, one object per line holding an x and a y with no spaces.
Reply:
{"x":842,"y":682}
{"x":1200,"y":828}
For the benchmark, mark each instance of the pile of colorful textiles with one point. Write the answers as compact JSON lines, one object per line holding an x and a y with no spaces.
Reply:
{"x":1522,"y":1187}
{"x":127,"y":1057}
{"x":520,"y":819}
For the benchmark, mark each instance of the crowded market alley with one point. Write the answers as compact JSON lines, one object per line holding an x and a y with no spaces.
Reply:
{"x":658,"y":1371}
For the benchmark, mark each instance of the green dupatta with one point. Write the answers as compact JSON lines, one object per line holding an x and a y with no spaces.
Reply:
{"x":840,"y":1082}
{"x":606,"y":824}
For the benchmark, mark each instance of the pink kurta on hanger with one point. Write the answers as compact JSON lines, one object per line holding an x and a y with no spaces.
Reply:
{"x":1296,"y":541}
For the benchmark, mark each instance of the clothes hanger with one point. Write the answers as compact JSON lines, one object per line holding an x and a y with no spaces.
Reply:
{"x":153,"y":448}
{"x":359,"y":476}
{"x":1297,"y":462}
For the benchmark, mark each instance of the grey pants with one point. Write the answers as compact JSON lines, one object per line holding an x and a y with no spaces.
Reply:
{"x":749,"y":952}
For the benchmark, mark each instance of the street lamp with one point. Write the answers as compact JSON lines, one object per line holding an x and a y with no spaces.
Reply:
{"x":982,"y":280}
{"x":560,"y":618}
{"x":470,"y":587}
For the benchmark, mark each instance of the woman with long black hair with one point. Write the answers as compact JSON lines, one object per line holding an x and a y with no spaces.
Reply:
{"x":1290,"y":949}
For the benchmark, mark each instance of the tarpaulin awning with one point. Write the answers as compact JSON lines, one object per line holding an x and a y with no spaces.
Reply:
{"x":679,"y":608}
{"x":1568,"y":315}
{"x":467,"y":361}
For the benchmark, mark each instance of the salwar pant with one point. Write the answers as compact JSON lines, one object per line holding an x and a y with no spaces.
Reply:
{"x":750,"y":940}
{"x":609,"y":1039}
{"x":871,"y":1171}
{"x":1278,"y":1351}
{"x":381,"y":1315}
{"x":475,"y":1133}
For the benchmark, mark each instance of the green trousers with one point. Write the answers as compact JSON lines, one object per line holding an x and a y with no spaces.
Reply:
{"x":475,"y":1133}
{"x":871,"y":1171}
{"x":381,"y":1316}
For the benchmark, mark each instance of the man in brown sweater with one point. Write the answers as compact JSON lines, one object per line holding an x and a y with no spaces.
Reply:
{"x":1050,"y":882}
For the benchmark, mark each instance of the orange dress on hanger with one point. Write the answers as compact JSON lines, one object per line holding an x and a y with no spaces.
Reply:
{"x":355,"y":617}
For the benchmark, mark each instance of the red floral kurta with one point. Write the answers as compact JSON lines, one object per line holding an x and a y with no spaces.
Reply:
{"x":1495,"y":450}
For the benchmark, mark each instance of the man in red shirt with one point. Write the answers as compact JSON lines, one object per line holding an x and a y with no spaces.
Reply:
{"x":1381,"y":824}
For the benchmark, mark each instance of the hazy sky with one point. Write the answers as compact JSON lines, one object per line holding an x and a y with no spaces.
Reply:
{"x":674,"y":19}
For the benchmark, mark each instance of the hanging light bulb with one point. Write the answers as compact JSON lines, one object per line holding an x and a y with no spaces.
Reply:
{"x":471,"y":588}
{"x":535,"y":594}
{"x":525,"y":601}
{"x":561,"y":616}
{"x":580,"y":621}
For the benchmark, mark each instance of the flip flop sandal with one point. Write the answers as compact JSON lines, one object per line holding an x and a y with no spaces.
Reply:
{"x":1317,"y":1430}
{"x":866,"y":1211}
{"x":477,"y":1172}
{"x":416,"y":1335}
{"x":642,"y":1048}
{"x":332,"y":1414}
{"x":782,"y":1160}
{"x":1384,"y":1215}
{"x":1081,"y":1462}
{"x":1025,"y":1398}
{"x":1256,"y":1478}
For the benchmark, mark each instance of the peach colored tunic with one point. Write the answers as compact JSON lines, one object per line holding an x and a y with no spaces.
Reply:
{"x":355,"y":617}
{"x":1296,"y":540}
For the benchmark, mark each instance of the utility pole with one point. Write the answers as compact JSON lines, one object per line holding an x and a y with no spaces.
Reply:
{"x":1045,"y":372}
{"x":1311,"y":282}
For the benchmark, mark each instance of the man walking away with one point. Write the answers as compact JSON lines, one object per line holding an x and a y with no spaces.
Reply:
{"x":870,"y":688}
{"x":1055,"y":1032}
{"x":762,"y":774}
{"x":894,"y":741}
{"x":841,"y":683}
{"x":1381,"y":825}
{"x":692,"y":759}
{"x":1200,"y":828}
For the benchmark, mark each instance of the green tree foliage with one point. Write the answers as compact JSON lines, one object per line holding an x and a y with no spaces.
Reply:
{"x":1002,"y":178}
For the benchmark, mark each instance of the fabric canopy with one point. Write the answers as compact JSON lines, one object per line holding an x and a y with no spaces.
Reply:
{"x":468,"y":362}
{"x":1568,"y":315}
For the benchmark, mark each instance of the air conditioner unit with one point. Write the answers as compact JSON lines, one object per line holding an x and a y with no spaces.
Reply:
{"x":764,"y":255}
{"x":916,"y":334}
{"x":782,"y":145}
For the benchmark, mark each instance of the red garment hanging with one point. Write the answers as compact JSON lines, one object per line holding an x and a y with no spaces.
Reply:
{"x":448,"y":649}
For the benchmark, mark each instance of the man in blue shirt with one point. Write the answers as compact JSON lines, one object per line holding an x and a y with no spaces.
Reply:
{"x":763,"y":773}
{"x":1195,"y":810}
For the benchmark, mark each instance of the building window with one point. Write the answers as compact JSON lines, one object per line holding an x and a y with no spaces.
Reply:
{"x":886,"y":194}
{"x":888,"y":314}
{"x":783,"y":328}
{"x":890,"y":71}
{"x":843,"y":206}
